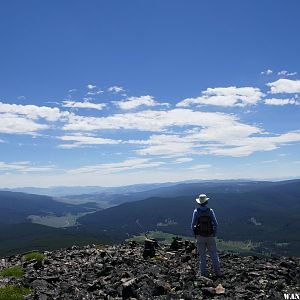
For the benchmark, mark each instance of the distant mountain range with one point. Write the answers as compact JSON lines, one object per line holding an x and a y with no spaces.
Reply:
{"x":267,"y":213}
{"x":125,"y":194}
{"x":16,"y":207}
{"x":60,"y":191}
{"x":264,"y":212}
{"x":18,"y":234}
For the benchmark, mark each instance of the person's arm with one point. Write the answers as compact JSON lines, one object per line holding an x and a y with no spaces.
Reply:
{"x":214,"y":221}
{"x":194,"y":220}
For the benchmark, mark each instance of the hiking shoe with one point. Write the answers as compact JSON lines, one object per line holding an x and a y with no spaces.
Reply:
{"x":203,"y":275}
{"x":216,"y":277}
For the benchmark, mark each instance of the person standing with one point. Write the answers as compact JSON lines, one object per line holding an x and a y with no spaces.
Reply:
{"x":204,"y":226}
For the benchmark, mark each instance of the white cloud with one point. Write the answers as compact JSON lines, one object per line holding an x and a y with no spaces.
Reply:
{"x":24,"y":167}
{"x":72,"y":90}
{"x":266,"y":72}
{"x":229,"y":133}
{"x":270,"y":161}
{"x":126,"y":165}
{"x":91,"y":87}
{"x":33,"y":112}
{"x":284,"y":86}
{"x":85,"y":104}
{"x":239,"y":151}
{"x":282,"y":73}
{"x":116,"y":89}
{"x":206,"y":132}
{"x":94,"y":92}
{"x":249,"y":145}
{"x":286,"y":73}
{"x":199,"y":167}
{"x":183,"y":160}
{"x":149,"y":120}
{"x":21,"y":97}
{"x":23,"y":119}
{"x":82,"y":140}
{"x":225,"y":96}
{"x":14,"y":124}
{"x":164,"y":145}
{"x":11,"y":166}
{"x":168,"y":149}
{"x":134,"y":102}
{"x":235,"y":140}
{"x":205,"y":139}
{"x":281,"y":102}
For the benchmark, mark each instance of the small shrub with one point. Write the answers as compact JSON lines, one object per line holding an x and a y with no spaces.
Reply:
{"x":13,"y":292}
{"x":100,"y":247}
{"x":158,"y":258}
{"x":12,"y":272}
{"x":34,"y":255}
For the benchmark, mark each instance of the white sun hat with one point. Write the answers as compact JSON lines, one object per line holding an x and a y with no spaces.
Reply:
{"x":202,"y":199}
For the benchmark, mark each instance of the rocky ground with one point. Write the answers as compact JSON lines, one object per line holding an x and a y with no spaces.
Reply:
{"x":121,"y":272}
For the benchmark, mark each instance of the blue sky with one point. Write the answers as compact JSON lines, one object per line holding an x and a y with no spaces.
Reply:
{"x":121,"y":92}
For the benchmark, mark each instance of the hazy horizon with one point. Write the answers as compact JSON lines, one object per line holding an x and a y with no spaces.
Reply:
{"x":153,"y":183}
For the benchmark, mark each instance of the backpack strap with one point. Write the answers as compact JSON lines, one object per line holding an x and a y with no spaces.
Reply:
{"x":203,"y":211}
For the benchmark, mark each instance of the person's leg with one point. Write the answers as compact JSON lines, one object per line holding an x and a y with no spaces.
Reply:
{"x":212,"y":249}
{"x":201,"y":246}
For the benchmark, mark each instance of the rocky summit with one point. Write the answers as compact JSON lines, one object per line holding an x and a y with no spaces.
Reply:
{"x":126,"y":272}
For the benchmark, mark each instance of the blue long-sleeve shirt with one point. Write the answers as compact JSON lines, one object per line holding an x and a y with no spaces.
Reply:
{"x":198,"y":211}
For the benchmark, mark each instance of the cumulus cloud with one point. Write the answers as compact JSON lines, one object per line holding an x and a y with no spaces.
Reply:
{"x":266,"y":72}
{"x":281,"y":102}
{"x":198,"y":133}
{"x":168,"y":149}
{"x":85,"y":104}
{"x":134,"y":102}
{"x":169,"y":133}
{"x":94,"y":92}
{"x":284,"y":86}
{"x":164,"y":145}
{"x":116,"y":89}
{"x":14,"y":124}
{"x":235,"y":140}
{"x":247,"y":146}
{"x":26,"y":119}
{"x":33,"y":112}
{"x":91,"y":87}
{"x":229,"y":133}
{"x":226,"y":96}
{"x":202,"y":139}
{"x":123,"y":166}
{"x":80,"y":140}
{"x":149,"y":120}
{"x":286,"y":73}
